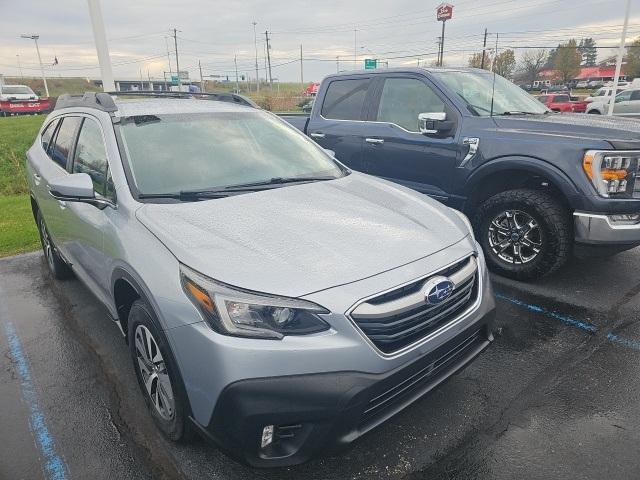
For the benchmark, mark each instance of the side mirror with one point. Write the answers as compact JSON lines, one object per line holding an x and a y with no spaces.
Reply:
{"x":76,"y":187}
{"x":431,"y":123}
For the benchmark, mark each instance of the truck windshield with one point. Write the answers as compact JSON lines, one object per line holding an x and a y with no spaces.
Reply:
{"x":475,"y":89}
{"x":185,"y":152}
{"x":16,"y":90}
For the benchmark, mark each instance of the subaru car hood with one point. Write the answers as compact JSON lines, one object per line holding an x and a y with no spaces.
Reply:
{"x":299,"y":239}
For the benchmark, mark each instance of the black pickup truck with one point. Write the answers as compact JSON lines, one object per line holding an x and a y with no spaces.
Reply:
{"x":537,"y":185}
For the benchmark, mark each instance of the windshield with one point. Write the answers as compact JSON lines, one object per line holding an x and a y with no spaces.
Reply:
{"x":475,"y":89}
{"x":16,"y":90}
{"x":179,"y":152}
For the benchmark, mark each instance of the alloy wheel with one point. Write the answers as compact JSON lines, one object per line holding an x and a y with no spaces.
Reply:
{"x":46,"y":244}
{"x":515,"y":237}
{"x":153,"y":372}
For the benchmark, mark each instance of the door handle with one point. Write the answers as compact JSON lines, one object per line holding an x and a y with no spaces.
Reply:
{"x":374,"y":141}
{"x":317,"y":135}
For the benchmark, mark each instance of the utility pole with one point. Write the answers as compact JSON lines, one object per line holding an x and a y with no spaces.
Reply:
{"x":166,"y":44}
{"x":484,"y":48}
{"x":44,"y":79}
{"x":439,"y":42}
{"x":355,"y":48}
{"x":175,"y":42}
{"x":616,"y":77}
{"x":442,"y":44}
{"x":235,"y":61}
{"x":255,"y":43}
{"x":202,"y":89}
{"x":266,"y":36}
{"x":102,"y":49}
{"x":19,"y":66}
{"x":301,"y":69}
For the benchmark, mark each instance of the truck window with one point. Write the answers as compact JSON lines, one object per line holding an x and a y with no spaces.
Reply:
{"x":561,"y":98}
{"x":344,"y":99}
{"x":635,"y":95}
{"x":403,"y":99}
{"x":542,"y":98}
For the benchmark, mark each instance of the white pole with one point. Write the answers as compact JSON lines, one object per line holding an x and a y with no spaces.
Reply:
{"x":255,"y":44}
{"x":612,"y":100}
{"x":44,"y":79}
{"x":102,"y":49}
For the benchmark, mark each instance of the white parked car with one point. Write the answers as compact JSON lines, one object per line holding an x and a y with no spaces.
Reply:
{"x":582,"y":84}
{"x":627,"y":104}
{"x":603,"y":93}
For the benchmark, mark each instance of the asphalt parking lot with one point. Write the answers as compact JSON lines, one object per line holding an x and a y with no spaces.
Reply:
{"x":556,"y":396}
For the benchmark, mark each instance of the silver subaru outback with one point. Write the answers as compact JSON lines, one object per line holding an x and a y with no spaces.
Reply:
{"x":273,"y":300}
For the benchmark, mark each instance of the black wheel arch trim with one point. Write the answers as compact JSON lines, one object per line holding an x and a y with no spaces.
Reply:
{"x":529,"y":164}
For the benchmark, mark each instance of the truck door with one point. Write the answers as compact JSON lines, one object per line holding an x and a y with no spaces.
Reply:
{"x":395,"y":149}
{"x":337,"y":123}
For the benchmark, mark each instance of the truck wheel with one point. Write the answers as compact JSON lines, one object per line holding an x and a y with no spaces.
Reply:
{"x":594,"y":112}
{"x":524,"y":233}
{"x":58,"y":267}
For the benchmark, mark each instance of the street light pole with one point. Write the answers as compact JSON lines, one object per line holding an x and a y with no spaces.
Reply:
{"x":102,"y":49}
{"x":19,"y":65}
{"x":44,"y":79}
{"x":616,"y":77}
{"x":255,"y":44}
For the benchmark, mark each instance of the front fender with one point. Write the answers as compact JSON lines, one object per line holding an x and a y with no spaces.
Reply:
{"x":573,"y":192}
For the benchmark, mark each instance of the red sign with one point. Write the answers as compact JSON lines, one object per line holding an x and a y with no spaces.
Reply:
{"x":27,"y":106}
{"x":444,"y":12}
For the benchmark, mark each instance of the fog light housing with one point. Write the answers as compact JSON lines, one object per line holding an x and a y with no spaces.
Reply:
{"x":625,"y":218}
{"x":267,"y":436}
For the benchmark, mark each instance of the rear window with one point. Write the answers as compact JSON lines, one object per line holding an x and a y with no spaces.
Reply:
{"x":344,"y":99}
{"x":561,"y":98}
{"x":16,"y":90}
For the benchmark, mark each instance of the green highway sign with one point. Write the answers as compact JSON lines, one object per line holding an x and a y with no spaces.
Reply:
{"x":370,"y":63}
{"x":174,"y":79}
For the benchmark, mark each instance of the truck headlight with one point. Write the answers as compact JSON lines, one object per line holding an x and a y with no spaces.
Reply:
{"x":237,"y":312}
{"x":614,"y":174}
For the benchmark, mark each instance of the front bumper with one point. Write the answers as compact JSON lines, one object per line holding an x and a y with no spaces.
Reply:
{"x":598,"y":229}
{"x":315,"y":413}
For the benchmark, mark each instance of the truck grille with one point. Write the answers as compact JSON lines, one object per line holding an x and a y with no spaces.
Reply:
{"x":402,"y":316}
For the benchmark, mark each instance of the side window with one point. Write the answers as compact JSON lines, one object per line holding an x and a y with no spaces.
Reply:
{"x":635,"y":95}
{"x":47,"y":134}
{"x":624,"y":96}
{"x":344,"y":99}
{"x":90,"y":157}
{"x":63,"y":143}
{"x":543,"y":99}
{"x":403,"y":99}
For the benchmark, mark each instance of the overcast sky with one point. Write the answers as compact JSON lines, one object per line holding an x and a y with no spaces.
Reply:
{"x":400,"y":31}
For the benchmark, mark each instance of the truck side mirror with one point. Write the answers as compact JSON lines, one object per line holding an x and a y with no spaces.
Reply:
{"x":431,"y":123}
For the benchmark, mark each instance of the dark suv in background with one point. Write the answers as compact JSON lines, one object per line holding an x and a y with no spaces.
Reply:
{"x":538,"y":185}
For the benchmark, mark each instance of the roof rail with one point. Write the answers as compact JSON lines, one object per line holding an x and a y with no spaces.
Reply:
{"x":99,"y":100}
{"x":220,"y":97}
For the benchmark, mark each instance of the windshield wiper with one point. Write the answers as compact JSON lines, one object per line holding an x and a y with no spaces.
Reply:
{"x":518,"y":112}
{"x":281,"y":180}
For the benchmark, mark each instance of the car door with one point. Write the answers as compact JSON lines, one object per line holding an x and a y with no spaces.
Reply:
{"x":338,"y":126}
{"x":633,"y":105}
{"x":394,"y":147}
{"x":39,"y":163}
{"x":622,"y":105}
{"x":86,"y":223}
{"x":51,"y":165}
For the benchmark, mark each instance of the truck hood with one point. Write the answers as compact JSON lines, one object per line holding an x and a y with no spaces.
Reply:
{"x":301,"y":239}
{"x":576,"y":125}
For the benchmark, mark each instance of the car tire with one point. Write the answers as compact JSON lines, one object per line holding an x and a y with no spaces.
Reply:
{"x":157,"y":373}
{"x":57,"y":266}
{"x":524,"y":233}
{"x":594,"y":112}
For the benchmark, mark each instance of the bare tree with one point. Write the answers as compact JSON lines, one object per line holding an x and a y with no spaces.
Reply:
{"x":567,"y":61}
{"x":532,"y":63}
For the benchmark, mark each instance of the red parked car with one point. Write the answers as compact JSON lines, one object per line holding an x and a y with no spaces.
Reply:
{"x":563,"y":103}
{"x":20,"y":99}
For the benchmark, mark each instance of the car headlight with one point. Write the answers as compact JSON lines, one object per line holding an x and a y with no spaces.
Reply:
{"x":232,"y":311}
{"x":614,"y":174}
{"x":466,"y":220}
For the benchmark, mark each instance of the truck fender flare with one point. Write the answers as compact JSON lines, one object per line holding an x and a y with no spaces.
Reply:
{"x":533,"y":165}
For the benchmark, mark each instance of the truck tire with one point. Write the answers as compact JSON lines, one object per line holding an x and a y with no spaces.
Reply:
{"x":524,"y":233}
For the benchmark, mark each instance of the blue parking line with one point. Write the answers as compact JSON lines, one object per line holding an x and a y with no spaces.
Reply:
{"x":567,"y":320}
{"x":572,"y":322}
{"x":55,"y":468}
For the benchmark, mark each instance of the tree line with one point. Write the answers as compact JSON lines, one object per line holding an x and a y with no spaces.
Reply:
{"x":566,"y":60}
